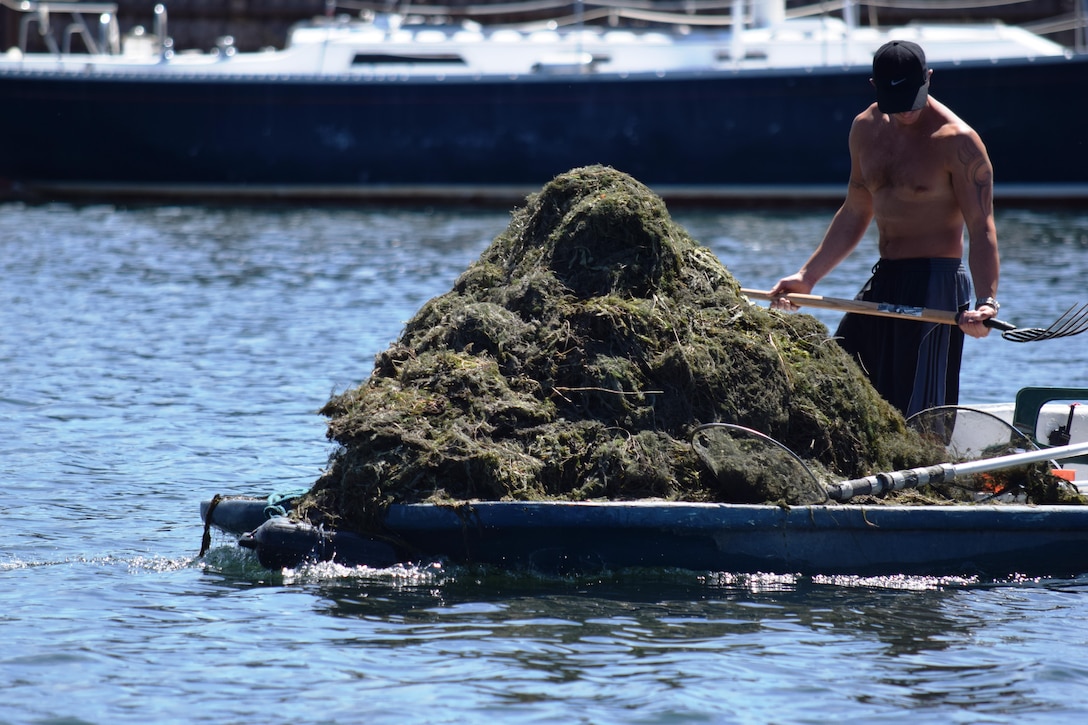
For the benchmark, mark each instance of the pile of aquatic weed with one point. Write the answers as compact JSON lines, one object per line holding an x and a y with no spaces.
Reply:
{"x":575,"y":358}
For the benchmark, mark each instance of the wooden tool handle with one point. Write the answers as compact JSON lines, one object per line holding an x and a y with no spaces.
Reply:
{"x":879,"y":309}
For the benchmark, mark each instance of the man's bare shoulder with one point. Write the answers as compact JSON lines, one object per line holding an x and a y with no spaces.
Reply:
{"x":963,"y":146}
{"x":868,"y":118}
{"x":948,"y":125}
{"x":865,"y":129}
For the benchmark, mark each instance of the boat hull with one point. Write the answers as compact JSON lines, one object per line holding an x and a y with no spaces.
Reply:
{"x":700,"y":136}
{"x":561,"y":537}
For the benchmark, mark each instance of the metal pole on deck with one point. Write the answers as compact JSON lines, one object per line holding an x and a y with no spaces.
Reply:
{"x":166,"y":43}
{"x":1081,"y":43}
{"x":580,"y":22}
{"x":736,"y":46}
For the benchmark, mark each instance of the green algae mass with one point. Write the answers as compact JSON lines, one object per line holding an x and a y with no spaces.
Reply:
{"x":573,"y":360}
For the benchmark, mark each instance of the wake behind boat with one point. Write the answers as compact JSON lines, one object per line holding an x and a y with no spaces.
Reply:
{"x":754,"y":104}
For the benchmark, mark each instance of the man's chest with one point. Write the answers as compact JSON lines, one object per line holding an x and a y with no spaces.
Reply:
{"x":904,"y":170}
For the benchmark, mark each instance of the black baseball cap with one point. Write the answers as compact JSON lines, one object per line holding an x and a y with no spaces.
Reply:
{"x":901,"y":77}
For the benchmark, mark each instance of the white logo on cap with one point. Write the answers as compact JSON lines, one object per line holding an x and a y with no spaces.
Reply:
{"x":901,"y":80}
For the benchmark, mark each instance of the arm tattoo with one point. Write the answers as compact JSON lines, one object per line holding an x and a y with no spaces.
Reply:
{"x":978,"y":173}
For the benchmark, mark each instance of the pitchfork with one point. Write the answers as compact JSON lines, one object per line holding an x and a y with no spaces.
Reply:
{"x":1072,"y":322}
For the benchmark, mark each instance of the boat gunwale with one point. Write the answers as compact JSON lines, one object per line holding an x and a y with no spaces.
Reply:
{"x":703,"y":516}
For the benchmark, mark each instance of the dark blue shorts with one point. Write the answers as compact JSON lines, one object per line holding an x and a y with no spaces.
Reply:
{"x":914,"y":365}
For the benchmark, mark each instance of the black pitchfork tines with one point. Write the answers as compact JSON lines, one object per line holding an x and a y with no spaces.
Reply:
{"x":1072,"y":322}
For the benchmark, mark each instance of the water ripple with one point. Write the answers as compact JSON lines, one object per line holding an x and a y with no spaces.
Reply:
{"x":155,"y":356}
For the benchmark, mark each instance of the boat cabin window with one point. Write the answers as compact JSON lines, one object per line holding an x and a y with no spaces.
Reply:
{"x":388,"y":59}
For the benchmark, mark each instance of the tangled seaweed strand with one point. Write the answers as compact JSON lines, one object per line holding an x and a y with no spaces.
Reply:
{"x":574,"y":358}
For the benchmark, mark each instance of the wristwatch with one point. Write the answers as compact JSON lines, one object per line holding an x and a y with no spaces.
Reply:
{"x":988,"y":301}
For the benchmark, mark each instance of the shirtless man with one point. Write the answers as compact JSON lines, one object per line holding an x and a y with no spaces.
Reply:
{"x":923,"y":175}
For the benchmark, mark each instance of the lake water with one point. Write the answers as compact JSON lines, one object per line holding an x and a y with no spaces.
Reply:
{"x":153,"y":357}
